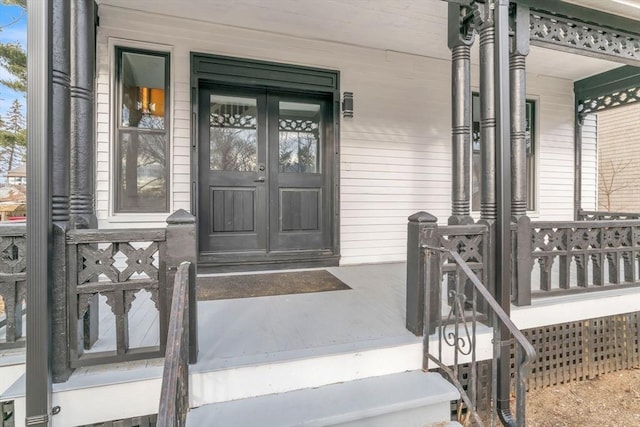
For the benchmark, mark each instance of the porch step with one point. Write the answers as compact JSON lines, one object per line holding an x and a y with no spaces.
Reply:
{"x":407,"y":399}
{"x":12,"y":367}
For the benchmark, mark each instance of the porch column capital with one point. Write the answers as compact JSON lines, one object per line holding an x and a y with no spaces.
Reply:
{"x":460,"y":26}
{"x":520,"y":22}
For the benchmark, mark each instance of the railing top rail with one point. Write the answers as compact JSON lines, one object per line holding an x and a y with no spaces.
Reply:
{"x":13,"y":229}
{"x":587,"y":224}
{"x":584,"y":213}
{"x":116,"y":235}
{"x":528,"y":349}
{"x":463,"y":229}
{"x":174,"y":378}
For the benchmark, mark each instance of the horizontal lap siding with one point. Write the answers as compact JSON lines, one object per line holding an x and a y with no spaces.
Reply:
{"x":555,"y":157}
{"x":395,"y":153}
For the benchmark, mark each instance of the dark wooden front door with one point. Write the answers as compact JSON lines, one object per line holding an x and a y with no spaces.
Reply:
{"x":265,"y":173}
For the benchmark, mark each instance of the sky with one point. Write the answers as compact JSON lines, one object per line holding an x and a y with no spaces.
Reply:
{"x":13,"y":33}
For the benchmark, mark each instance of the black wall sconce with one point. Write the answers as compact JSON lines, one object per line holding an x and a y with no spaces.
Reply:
{"x":347,"y":105}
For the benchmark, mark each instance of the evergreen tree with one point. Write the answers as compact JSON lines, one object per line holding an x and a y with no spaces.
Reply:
{"x":13,"y":133}
{"x":13,"y":57}
{"x":13,"y":138}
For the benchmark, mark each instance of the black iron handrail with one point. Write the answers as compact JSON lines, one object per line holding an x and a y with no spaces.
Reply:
{"x":465,"y":309}
{"x":174,"y":395}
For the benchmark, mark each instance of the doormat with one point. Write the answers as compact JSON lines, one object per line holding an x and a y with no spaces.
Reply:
{"x":262,"y":285}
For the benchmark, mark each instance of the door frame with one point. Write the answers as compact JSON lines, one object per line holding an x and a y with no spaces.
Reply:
{"x":208,"y":70}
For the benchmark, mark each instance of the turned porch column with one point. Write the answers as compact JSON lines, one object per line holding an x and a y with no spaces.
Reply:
{"x":518,"y":95}
{"x":82,"y":138}
{"x":61,"y":124}
{"x":485,"y":24}
{"x":460,"y":39}
{"x":82,"y":114}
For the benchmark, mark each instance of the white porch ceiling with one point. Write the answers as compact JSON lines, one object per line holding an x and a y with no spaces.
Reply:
{"x":626,"y":8}
{"x":416,"y":27}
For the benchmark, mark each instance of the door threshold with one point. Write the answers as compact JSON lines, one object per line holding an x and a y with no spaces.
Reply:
{"x":212,"y":264}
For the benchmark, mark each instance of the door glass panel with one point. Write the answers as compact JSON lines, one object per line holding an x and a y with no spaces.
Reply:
{"x":299,"y":137}
{"x":233,"y":133}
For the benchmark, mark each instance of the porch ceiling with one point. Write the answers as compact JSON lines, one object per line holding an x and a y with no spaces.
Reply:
{"x":416,"y":27}
{"x":627,"y":8}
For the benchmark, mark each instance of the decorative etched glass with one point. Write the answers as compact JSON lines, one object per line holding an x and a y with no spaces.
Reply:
{"x":233,"y":134}
{"x":299,"y":137}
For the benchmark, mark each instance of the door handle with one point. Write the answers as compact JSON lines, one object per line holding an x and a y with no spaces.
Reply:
{"x":260,"y":179}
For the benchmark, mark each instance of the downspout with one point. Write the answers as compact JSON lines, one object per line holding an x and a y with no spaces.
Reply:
{"x":39,"y":236}
{"x":502,"y":241}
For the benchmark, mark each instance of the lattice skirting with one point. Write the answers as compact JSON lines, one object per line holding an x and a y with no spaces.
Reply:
{"x":584,"y":349}
{"x":567,"y":352}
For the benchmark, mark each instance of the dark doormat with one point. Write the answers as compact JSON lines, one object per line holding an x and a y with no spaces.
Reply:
{"x":260,"y":285}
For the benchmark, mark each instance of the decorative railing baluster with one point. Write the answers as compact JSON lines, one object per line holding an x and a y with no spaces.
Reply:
{"x":567,"y":252}
{"x":13,"y":283}
{"x":116,"y":264}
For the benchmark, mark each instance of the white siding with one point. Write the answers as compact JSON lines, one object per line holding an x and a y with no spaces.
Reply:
{"x":395,"y":153}
{"x":590,"y":163}
{"x":555,"y":157}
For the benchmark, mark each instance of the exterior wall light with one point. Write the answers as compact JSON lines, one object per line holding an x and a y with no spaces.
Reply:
{"x":347,"y":105}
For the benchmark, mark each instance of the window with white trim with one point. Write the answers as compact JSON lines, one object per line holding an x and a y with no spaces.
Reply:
{"x":142,"y":131}
{"x":476,"y":164}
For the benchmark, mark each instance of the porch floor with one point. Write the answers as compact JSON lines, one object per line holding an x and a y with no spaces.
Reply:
{"x":265,"y":329}
{"x":260,"y":330}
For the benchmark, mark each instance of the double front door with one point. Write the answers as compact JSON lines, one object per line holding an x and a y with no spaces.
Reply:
{"x":265,"y":172}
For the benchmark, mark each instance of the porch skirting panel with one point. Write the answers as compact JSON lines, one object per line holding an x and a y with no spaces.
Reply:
{"x":566,"y":352}
{"x":584,"y":349}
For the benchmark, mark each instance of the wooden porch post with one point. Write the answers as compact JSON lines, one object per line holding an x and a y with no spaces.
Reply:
{"x":181,"y":246}
{"x":421,"y":229}
{"x":518,"y":88}
{"x":60,"y":150}
{"x":521,"y":285}
{"x":82,"y":136}
{"x":82,"y":114}
{"x":460,"y":40}
{"x":485,"y":25}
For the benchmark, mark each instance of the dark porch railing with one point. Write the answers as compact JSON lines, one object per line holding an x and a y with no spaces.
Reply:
{"x":470,"y":306}
{"x":13,"y":283}
{"x":605,"y":216}
{"x":174,"y":395}
{"x":117,"y":264}
{"x":121,"y":266}
{"x":585,"y":255}
{"x":457,"y":259}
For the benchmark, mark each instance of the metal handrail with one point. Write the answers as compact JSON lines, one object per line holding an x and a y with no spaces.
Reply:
{"x":525,"y":353}
{"x":174,"y":394}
